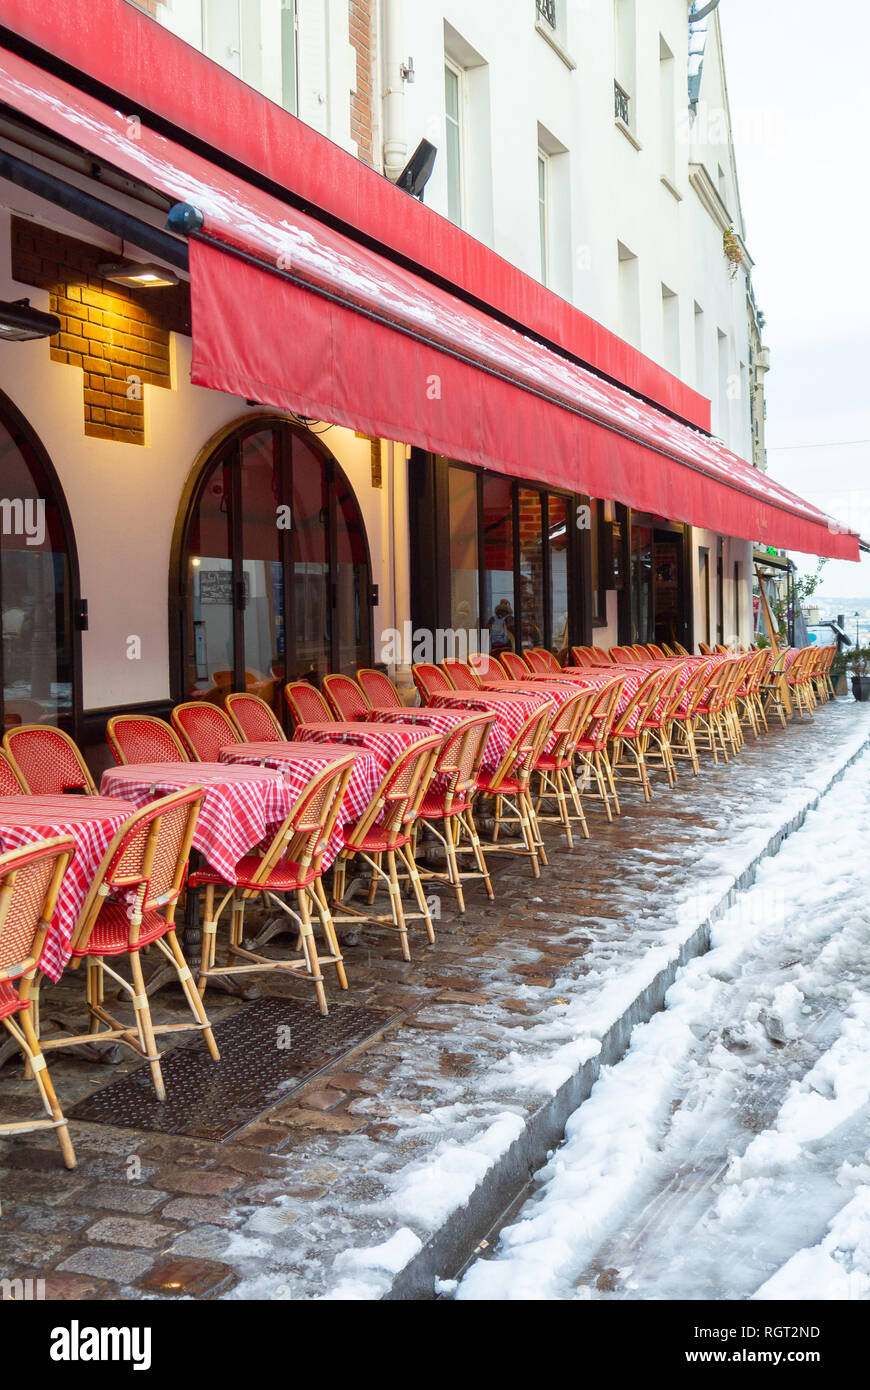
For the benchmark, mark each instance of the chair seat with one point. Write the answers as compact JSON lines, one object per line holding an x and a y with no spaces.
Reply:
{"x":508,"y":786}
{"x":284,"y":878}
{"x":9,"y":1001}
{"x":548,"y":762}
{"x":111,"y":933}
{"x":374,"y":841}
{"x":590,"y":745}
{"x":434,"y":806}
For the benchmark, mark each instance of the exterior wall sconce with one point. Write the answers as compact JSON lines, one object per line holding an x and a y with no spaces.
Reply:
{"x":139,"y":275}
{"x":19,"y":323}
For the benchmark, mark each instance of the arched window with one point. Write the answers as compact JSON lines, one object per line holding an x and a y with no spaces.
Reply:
{"x":273,"y":574}
{"x":39,"y":665}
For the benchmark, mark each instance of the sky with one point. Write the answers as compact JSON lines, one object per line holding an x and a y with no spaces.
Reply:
{"x":798,"y":77}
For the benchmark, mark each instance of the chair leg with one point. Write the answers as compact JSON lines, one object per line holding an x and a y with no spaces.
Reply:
{"x":417,"y":886}
{"x":452,"y":864}
{"x":396,"y":904}
{"x":468,"y":822}
{"x":322,"y":906}
{"x":39,"y":1070}
{"x":142,"y":1009}
{"x":191,"y":994}
{"x":309,"y":949}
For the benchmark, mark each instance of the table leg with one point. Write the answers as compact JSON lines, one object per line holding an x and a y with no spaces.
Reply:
{"x":191,"y":945}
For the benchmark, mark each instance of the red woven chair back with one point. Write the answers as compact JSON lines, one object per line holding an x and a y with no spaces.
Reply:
{"x":602,"y":713}
{"x":639,"y":706}
{"x":566,"y":723}
{"x":486,"y":667}
{"x":254,"y":720}
{"x":146,"y":863}
{"x":680,"y":650}
{"x":347,"y":699}
{"x":461,"y":674}
{"x":542,"y":661}
{"x":204,"y":730}
{"x":693,"y":692}
{"x":705,"y":649}
{"x":582,"y":656}
{"x":515,"y":666}
{"x":520,"y":760}
{"x":10,"y":784}
{"x":307,"y":705}
{"x":431,"y":680}
{"x":655,"y":652}
{"x":397,"y":800}
{"x":29,"y":883}
{"x":47,"y":761}
{"x":379,"y":690}
{"x":457,"y":765}
{"x":137,"y":738}
{"x":623,"y":655}
{"x":306,"y":832}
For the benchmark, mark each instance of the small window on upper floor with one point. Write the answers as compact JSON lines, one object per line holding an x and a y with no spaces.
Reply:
{"x":544,"y":213}
{"x":548,"y":11}
{"x":289,"y":57}
{"x":625,"y":62}
{"x":453,"y":114}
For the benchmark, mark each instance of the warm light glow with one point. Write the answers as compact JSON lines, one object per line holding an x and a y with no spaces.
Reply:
{"x":145,"y":275}
{"x":196,"y":562}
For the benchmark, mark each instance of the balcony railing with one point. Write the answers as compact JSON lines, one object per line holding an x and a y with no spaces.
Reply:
{"x":621,"y":104}
{"x":546,"y":10}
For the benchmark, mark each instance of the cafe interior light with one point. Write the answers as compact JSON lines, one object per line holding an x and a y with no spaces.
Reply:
{"x":19,"y":322}
{"x":141,"y":275}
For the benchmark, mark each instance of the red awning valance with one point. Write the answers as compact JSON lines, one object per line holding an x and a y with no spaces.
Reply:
{"x":295,"y":315}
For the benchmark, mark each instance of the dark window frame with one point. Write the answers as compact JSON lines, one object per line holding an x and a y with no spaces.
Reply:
{"x":226,"y":447}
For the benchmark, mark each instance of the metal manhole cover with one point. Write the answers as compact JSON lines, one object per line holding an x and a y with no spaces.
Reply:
{"x":269,"y":1050}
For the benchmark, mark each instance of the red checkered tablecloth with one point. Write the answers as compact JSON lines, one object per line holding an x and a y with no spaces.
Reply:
{"x":444,"y":721}
{"x":240,"y":804}
{"x":385,"y":742}
{"x":513,"y":710}
{"x":298,"y":762}
{"x":93,"y":822}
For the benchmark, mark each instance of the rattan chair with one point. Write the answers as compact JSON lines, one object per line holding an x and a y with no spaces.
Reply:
{"x":379,"y":690}
{"x":447,"y":805}
{"x":592,"y":745}
{"x":461,"y":674}
{"x":290,"y":865}
{"x":510,"y":786}
{"x":30,"y":881}
{"x":47,"y":761}
{"x":630,"y":733}
{"x":307,"y":705}
{"x":383,"y":834}
{"x":131,"y":905}
{"x":138,"y":738}
{"x":254,"y":720}
{"x":204,"y":730}
{"x":515,"y":665}
{"x":555,"y":766}
{"x":348,"y":700}
{"x":431,"y":680}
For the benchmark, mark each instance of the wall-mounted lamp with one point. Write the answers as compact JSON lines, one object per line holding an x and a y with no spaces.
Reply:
{"x":139,"y":275}
{"x":19,"y":323}
{"x":418,"y":171}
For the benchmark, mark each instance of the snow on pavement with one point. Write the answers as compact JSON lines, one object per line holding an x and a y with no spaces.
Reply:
{"x":728,"y":1154}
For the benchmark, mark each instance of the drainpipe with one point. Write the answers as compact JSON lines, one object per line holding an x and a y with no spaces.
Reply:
{"x":395,"y":137}
{"x":697,"y":15}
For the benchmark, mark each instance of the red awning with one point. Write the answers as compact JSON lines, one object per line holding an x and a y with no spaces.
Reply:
{"x":292,"y":314}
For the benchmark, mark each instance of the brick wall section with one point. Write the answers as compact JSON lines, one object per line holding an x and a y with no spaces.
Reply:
{"x":109,"y":332}
{"x":361,"y":112}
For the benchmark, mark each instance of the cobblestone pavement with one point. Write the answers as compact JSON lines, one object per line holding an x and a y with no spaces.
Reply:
{"x":378,"y":1151}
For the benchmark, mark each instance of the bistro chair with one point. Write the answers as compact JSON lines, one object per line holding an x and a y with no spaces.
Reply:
{"x":655,"y":652}
{"x":680,"y":650}
{"x":307,"y":705}
{"x":555,"y":766}
{"x":130,"y":905}
{"x":47,"y":761}
{"x":348,"y":700}
{"x":684,"y":714}
{"x":775,"y":691}
{"x":799,"y":676}
{"x":658,"y":726}
{"x":629,"y":731}
{"x":292,"y":865}
{"x":30,"y":881}
{"x":710,"y":724}
{"x":254,"y":720}
{"x":431,"y":680}
{"x":461,"y":674}
{"x":705,"y":649}
{"x":510,"y":785}
{"x":623,"y":655}
{"x":822,"y":677}
{"x":140,"y":738}
{"x":750,"y":710}
{"x":583,"y":656}
{"x":515,"y":666}
{"x":446,"y":807}
{"x":379,"y":690}
{"x":10,"y":782}
{"x":542,"y":661}
{"x":592,"y":745}
{"x":382,"y":839}
{"x":486,"y":667}
{"x":204,"y":730}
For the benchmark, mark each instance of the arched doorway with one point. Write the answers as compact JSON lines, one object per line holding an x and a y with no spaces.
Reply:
{"x":40,"y":659}
{"x":272,"y":573}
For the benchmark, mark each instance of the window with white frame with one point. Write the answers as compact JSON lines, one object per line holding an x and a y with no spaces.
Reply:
{"x":548,"y":12}
{"x":231,"y":36}
{"x":289,"y":57}
{"x":544,"y":213}
{"x":667,"y":113}
{"x":453,"y":112}
{"x":625,"y":74}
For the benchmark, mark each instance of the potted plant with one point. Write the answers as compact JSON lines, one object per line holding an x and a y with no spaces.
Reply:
{"x":859,"y":664}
